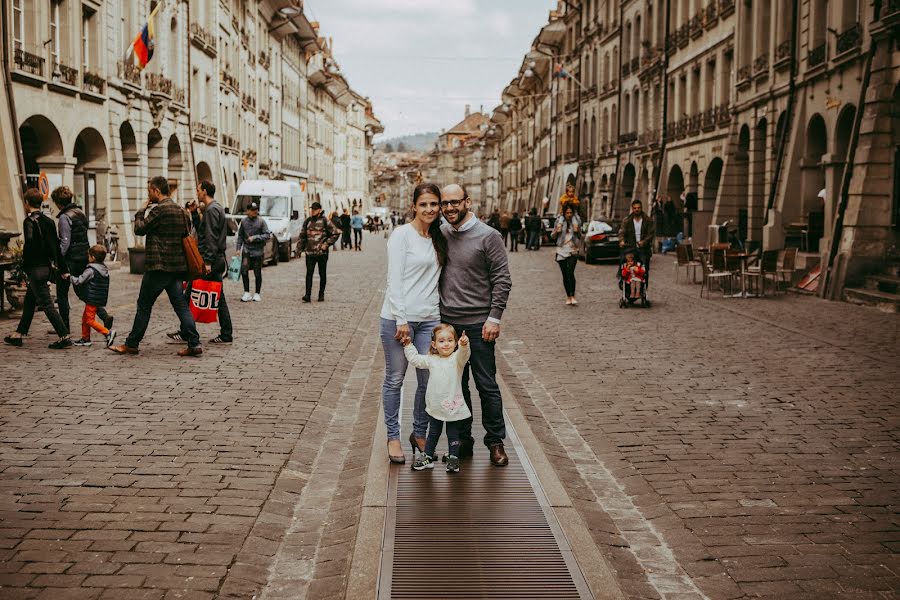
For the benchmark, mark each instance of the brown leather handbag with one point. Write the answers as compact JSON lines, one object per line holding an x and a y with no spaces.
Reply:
{"x":192,"y":256}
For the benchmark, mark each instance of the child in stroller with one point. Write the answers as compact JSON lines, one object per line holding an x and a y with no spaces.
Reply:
{"x":633,"y":276}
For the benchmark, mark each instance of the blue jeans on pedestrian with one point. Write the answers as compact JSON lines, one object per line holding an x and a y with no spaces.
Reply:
{"x":483,"y":368}
{"x":395,"y":365}
{"x":534,"y":240}
{"x":153,"y":284}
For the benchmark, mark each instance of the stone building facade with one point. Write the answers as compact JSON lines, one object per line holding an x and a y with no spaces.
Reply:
{"x":236,"y":89}
{"x":779,"y":117}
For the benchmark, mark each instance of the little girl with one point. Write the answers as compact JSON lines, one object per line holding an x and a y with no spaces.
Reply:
{"x":443,"y":400}
{"x":633,"y":274}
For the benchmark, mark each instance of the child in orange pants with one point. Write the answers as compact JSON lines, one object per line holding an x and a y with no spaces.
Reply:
{"x":92,"y":286}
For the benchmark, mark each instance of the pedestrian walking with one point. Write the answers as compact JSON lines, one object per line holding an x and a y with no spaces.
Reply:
{"x":42,"y":263}
{"x":444,"y":401}
{"x":474,"y":290}
{"x":356,"y":223}
{"x":165,"y":226}
{"x":504,"y":226}
{"x":345,"y":230}
{"x":92,"y":286}
{"x":252,"y":236}
{"x":212,"y":235}
{"x":515,"y":229}
{"x":533,"y":226}
{"x":494,"y":220}
{"x":73,"y":246}
{"x":316,"y":236}
{"x":637,"y":231}
{"x":569,"y":242}
{"x":336,"y":221}
{"x":411,"y":310}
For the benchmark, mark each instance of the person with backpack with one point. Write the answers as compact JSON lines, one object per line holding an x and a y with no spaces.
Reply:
{"x":533,"y":226}
{"x":73,"y":245}
{"x":92,"y":286}
{"x":316,"y":237}
{"x":41,"y":259}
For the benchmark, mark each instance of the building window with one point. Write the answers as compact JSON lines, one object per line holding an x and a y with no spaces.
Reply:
{"x":18,"y":25}
{"x":54,"y":31}
{"x":88,"y":37}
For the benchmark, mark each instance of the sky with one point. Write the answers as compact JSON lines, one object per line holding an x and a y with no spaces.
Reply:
{"x":422,"y":61}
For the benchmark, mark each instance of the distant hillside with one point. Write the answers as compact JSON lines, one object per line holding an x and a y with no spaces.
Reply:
{"x":420,"y":142}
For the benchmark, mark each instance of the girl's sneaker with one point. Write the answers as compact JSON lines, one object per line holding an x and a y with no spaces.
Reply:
{"x":110,"y":337}
{"x":452,"y":464}
{"x":422,"y":462}
{"x":81,"y":342}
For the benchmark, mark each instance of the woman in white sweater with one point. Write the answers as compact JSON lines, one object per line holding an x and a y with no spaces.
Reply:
{"x":411,"y":311}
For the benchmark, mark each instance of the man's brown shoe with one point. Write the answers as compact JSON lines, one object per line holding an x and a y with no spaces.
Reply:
{"x":197,"y":351}
{"x":124,"y":349}
{"x":498,"y":456}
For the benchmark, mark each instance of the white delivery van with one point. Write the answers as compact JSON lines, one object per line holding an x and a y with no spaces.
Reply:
{"x":282,"y":205}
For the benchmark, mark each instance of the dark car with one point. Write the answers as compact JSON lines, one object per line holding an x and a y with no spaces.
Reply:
{"x":601,"y":242}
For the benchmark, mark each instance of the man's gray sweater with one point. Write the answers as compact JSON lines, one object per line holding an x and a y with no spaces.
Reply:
{"x":475,"y":282}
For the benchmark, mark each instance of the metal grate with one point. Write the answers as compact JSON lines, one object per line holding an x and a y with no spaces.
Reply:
{"x":479,"y":533}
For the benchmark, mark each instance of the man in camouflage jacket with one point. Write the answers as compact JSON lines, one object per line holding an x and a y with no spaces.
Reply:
{"x":316,"y":237}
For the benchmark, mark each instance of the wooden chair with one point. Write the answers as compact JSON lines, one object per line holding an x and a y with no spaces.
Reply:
{"x":788,"y":262}
{"x":768,"y":266}
{"x":714,"y":274}
{"x":684,"y":261}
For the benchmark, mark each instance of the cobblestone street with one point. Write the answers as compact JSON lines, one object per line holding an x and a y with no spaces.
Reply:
{"x":714,"y":448}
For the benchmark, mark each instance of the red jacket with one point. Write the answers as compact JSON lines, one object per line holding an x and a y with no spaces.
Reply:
{"x":636,"y":271}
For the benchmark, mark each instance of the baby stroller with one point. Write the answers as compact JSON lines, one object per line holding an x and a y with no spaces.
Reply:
{"x":626,"y":300}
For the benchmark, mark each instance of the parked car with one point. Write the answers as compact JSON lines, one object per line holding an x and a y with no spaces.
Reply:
{"x":601,"y":242}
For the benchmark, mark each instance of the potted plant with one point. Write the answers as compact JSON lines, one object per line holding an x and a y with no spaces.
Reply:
{"x":15,"y":281}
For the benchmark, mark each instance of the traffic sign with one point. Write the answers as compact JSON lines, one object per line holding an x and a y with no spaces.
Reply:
{"x":44,"y":185}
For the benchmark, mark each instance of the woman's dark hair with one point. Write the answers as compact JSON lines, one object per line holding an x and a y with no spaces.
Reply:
{"x":437,"y":236}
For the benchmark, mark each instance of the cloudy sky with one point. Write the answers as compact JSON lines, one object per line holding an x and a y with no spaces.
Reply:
{"x":422,"y":61}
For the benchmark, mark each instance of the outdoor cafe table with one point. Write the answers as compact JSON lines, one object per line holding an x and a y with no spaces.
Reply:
{"x":743,"y":257}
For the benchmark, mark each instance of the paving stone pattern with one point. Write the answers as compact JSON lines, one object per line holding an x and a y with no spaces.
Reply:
{"x":158,"y":477}
{"x":756,"y":438}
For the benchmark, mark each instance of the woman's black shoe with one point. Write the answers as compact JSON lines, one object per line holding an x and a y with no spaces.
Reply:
{"x":13,"y":341}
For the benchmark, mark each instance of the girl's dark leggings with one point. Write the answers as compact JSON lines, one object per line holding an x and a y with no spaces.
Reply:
{"x":434,"y":435}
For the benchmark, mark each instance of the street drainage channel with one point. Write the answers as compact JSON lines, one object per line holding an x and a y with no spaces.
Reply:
{"x":485,"y":532}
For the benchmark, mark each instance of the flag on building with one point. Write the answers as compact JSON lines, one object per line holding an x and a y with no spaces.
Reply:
{"x":141,"y":49}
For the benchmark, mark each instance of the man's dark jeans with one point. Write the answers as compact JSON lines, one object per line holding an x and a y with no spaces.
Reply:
{"x":484,"y":370}
{"x":345,"y":239}
{"x":38,"y":295}
{"x":153,"y":284}
{"x":62,"y":295}
{"x":311,"y":261}
{"x":533,"y":240}
{"x":217,"y":273}
{"x":255,"y":263}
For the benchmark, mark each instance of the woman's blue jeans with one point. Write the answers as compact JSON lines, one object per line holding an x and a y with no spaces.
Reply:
{"x":395,"y":365}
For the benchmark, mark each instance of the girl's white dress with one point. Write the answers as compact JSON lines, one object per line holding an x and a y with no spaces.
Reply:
{"x":443,"y":399}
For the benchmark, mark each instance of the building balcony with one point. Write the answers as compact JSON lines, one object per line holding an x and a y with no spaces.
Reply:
{"x":743,"y":76}
{"x":684,"y":35}
{"x":203,"y":39}
{"x":64,"y":74}
{"x":248,"y":102}
{"x":626,"y":68}
{"x":230,"y":81}
{"x":723,"y":115}
{"x":708,"y":119}
{"x":230,"y":142}
{"x":761,"y":66}
{"x":649,"y":138}
{"x":849,"y":39}
{"x":27,"y":62}
{"x":93,"y":83}
{"x":264,"y":116}
{"x":128,"y":73}
{"x":629,"y":138}
{"x":696,"y":25}
{"x":817,"y":56}
{"x":204,"y":133}
{"x":726,"y":8}
{"x":635,"y":64}
{"x":161,"y":85}
{"x":712,"y":15}
{"x":783,"y":54}
{"x":264,"y":60}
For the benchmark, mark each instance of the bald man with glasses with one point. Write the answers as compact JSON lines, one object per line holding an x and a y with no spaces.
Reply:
{"x":474,"y":289}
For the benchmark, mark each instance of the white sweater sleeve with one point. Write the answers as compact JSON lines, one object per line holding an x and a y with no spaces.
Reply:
{"x":415,"y":359}
{"x":462,"y":355}
{"x":397,"y":246}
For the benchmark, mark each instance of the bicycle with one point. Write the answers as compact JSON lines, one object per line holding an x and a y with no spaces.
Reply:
{"x":110,"y":236}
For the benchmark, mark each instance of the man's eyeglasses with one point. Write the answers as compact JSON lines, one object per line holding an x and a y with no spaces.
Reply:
{"x":453,"y":203}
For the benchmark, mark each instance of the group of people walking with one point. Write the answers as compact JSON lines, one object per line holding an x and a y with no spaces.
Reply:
{"x":447,"y":288}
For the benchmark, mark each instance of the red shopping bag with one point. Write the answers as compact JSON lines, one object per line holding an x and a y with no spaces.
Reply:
{"x":205,"y":300}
